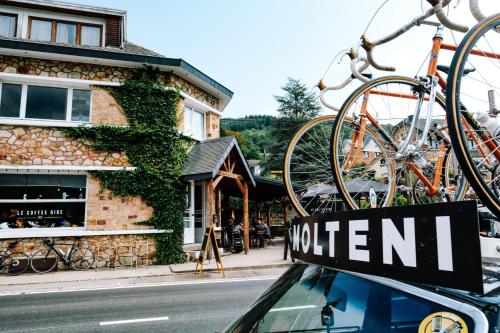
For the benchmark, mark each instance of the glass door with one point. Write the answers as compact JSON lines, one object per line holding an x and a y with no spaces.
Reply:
{"x":189,"y":215}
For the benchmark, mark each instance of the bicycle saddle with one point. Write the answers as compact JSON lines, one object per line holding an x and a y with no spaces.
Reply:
{"x":446,"y":69}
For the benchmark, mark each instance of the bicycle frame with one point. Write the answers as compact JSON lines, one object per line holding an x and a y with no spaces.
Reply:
{"x":435,"y":79}
{"x":66,"y":258}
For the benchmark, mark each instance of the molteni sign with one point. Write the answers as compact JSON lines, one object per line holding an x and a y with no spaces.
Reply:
{"x":435,"y":244}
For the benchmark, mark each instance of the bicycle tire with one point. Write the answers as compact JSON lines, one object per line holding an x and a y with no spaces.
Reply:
{"x":81,"y":259}
{"x":455,"y":106}
{"x":292,"y":186}
{"x":44,"y":261}
{"x":15,"y":263}
{"x":353,"y":101}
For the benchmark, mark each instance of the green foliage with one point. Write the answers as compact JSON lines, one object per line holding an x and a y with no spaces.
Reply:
{"x":401,"y":200}
{"x":152,"y":144}
{"x":296,"y":107}
{"x":248,"y":122}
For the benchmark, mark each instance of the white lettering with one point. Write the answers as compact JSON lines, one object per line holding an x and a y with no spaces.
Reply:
{"x":332,"y":227}
{"x":306,"y":241}
{"x":317,"y":249}
{"x":404,"y":247}
{"x":296,"y":237}
{"x":443,"y":238}
{"x":355,"y":240}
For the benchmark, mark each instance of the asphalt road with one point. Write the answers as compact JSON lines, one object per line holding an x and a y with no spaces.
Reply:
{"x":206,"y":307}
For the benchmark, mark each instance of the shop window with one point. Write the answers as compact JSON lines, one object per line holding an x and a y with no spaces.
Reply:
{"x":45,"y":103}
{"x":8,"y":25}
{"x":194,"y":123}
{"x":42,"y":201}
{"x":66,"y":33}
{"x":51,"y":30}
{"x":10,"y":100}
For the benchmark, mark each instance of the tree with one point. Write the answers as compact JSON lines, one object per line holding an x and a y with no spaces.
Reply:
{"x":295,"y":107}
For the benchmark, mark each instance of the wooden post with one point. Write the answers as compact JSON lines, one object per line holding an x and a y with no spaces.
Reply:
{"x":269,"y":213}
{"x":246,"y":228}
{"x":218,"y":206}
{"x":285,"y":211}
{"x":210,"y":202}
{"x":259,"y":205}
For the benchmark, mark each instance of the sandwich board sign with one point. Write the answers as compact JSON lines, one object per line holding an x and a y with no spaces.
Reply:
{"x":209,"y":238}
{"x":434,"y":244}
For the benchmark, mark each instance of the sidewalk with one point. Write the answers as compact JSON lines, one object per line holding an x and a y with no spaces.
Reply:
{"x":266,"y":259}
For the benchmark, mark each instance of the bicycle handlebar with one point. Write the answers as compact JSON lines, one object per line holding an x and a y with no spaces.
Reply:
{"x":441,"y":16}
{"x":356,"y":73}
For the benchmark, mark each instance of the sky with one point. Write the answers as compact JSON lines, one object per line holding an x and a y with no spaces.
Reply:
{"x":253,"y":46}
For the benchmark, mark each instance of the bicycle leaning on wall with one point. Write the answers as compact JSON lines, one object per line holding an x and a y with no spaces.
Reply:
{"x":13,"y":262}
{"x":76,"y":257}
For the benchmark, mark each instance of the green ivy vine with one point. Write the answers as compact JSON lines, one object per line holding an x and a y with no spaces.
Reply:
{"x":155,"y":147}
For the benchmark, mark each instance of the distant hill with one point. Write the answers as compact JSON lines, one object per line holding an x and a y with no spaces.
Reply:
{"x":257,"y":122}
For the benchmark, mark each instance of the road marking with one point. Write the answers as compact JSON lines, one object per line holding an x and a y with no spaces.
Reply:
{"x":131,"y":321}
{"x":144,"y":285}
{"x":293,"y":308}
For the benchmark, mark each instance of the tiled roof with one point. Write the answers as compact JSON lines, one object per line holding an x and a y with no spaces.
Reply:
{"x":206,"y":158}
{"x":129,"y":48}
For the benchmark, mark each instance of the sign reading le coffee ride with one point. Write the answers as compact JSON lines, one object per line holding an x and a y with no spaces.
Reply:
{"x":434,"y":244}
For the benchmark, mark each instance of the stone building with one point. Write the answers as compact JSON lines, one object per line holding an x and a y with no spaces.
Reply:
{"x":56,"y":59}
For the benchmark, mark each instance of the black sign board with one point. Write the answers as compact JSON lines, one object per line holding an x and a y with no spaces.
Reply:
{"x":435,"y":244}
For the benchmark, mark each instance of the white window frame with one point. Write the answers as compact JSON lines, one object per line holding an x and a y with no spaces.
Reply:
{"x":24,"y":96}
{"x":190,"y":132}
{"x":47,"y":172}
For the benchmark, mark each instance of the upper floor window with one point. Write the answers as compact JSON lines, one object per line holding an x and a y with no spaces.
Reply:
{"x":194,"y":123}
{"x":49,"y":103}
{"x":8,"y":25}
{"x":65,"y":32}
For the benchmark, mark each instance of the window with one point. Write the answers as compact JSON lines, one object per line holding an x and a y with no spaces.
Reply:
{"x":42,"y":201}
{"x":65,"y":32}
{"x":194,"y":123}
{"x":8,"y":25}
{"x":322,"y":300}
{"x":10,"y":100}
{"x":41,"y":30}
{"x":90,"y":35}
{"x":46,"y":103}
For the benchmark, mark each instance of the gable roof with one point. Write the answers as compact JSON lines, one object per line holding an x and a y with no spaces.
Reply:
{"x":207,"y":157}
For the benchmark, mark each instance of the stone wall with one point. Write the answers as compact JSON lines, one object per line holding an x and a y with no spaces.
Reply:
{"x":23,"y":145}
{"x":117,"y":249}
{"x":106,"y":211}
{"x":212,"y":125}
{"x":105,"y":110}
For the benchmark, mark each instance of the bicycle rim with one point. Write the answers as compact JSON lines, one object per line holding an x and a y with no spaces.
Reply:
{"x":44,"y":261}
{"x":391,"y":103}
{"x":468,"y":96}
{"x":307,"y":175}
{"x":82,"y":259}
{"x":16,"y":263}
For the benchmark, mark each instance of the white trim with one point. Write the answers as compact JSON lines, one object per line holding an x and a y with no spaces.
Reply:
{"x":53,"y":81}
{"x":199,"y":105}
{"x":75,"y":6}
{"x":42,"y":200}
{"x":73,"y":168}
{"x":74,"y":232}
{"x":39,"y":123}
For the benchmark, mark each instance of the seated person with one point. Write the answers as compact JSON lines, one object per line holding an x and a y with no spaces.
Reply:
{"x":267,"y":235}
{"x":237,"y":228}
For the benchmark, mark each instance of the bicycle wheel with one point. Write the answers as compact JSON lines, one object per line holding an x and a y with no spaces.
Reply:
{"x":81,"y":259}
{"x":306,"y":170}
{"x":473,"y":109}
{"x":43,"y":261}
{"x":15,"y":263}
{"x":386,"y":107}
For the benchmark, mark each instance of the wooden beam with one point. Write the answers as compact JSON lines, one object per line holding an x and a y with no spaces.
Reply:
{"x":269,"y":213}
{"x":216,"y":181}
{"x":210,"y":190}
{"x":218,"y":206}
{"x":229,"y":175}
{"x":285,"y":211}
{"x":246,"y":227}
{"x":259,"y":206}
{"x":232,"y":167}
{"x":241,"y":186}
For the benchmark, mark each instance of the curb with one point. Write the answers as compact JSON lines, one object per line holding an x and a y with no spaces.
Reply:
{"x":238,"y":268}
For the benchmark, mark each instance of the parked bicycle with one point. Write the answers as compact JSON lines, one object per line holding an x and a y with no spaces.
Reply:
{"x":76,"y":257}
{"x":13,"y":263}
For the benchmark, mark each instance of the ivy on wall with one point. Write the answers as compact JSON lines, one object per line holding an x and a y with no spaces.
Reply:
{"x":155,"y":147}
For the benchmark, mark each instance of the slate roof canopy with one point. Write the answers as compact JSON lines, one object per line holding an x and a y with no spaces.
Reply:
{"x":207,"y":157}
